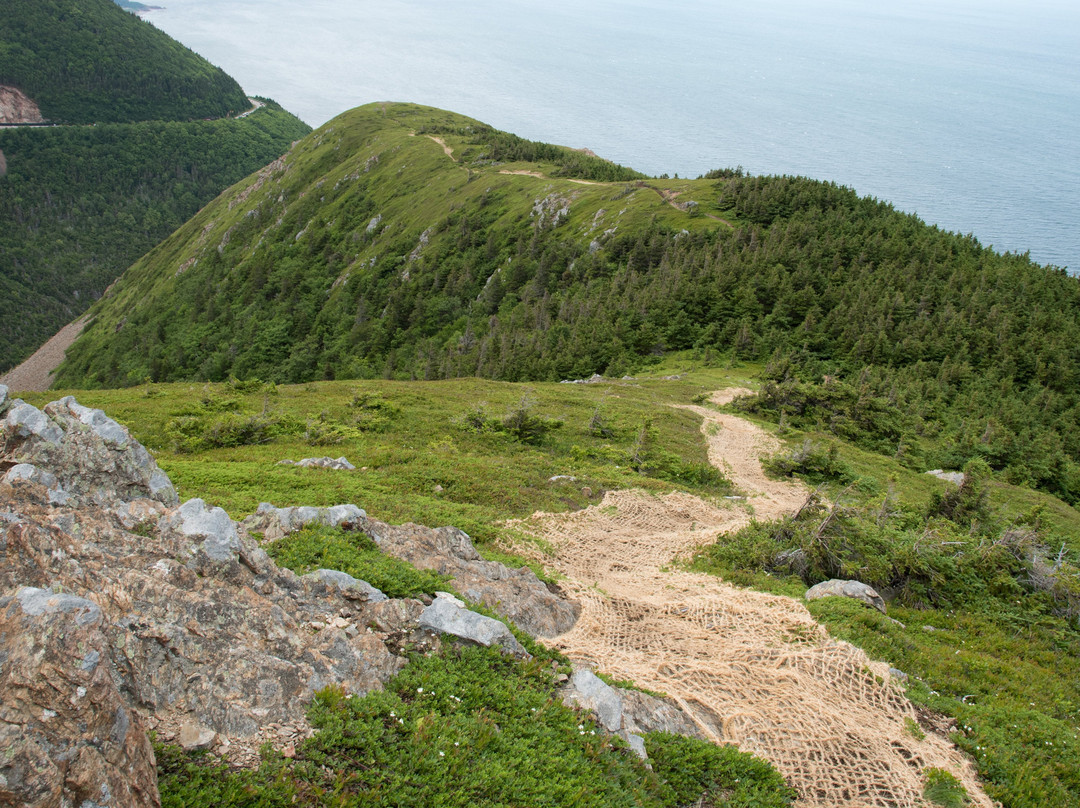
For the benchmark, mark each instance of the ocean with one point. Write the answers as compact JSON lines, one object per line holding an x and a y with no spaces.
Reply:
{"x":965,"y":112}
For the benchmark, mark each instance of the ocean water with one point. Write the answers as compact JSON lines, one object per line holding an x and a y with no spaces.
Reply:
{"x":966,"y":112}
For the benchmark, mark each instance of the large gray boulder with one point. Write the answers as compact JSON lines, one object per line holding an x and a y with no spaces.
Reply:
{"x":847,"y":589}
{"x":68,"y":735}
{"x":449,"y":615}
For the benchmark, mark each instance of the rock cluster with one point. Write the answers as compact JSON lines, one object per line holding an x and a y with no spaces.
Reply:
{"x":336,"y":463}
{"x":626,"y":713}
{"x":122,"y":610}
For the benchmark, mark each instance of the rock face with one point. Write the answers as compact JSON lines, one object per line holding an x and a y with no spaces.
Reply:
{"x":122,"y":610}
{"x":16,"y":107}
{"x":847,"y":589}
{"x":515,"y":594}
{"x":71,"y":737}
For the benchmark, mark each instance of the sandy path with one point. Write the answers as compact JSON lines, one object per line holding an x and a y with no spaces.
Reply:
{"x":446,"y":149}
{"x":36,"y":372}
{"x":751,"y":668}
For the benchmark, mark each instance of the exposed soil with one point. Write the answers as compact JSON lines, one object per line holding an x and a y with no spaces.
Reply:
{"x":750,"y":668}
{"x":17,"y":108}
{"x":36,"y":373}
{"x":446,"y":149}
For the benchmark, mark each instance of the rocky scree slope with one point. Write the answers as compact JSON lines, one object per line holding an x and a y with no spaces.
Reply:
{"x":123,"y":611}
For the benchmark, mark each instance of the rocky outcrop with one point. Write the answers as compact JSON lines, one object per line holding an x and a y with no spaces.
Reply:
{"x":516,"y":594}
{"x":626,"y":713}
{"x":122,"y":610}
{"x":92,"y":458}
{"x":70,"y":736}
{"x":191,"y":628}
{"x":273,"y":523}
{"x":847,"y":589}
{"x":16,"y":107}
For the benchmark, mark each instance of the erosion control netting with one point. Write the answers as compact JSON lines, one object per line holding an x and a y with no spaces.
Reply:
{"x":750,"y":668}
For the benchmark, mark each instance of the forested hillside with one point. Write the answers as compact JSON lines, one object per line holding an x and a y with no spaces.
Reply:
{"x":90,"y":61}
{"x":79,"y":204}
{"x":369,"y":251}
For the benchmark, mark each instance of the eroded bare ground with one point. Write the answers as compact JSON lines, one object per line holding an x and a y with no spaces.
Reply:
{"x":751,"y":668}
{"x":36,"y":372}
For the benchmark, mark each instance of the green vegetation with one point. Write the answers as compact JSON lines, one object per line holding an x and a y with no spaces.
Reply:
{"x":89,"y":61}
{"x":472,"y":728}
{"x":353,"y":552}
{"x":984,"y":582}
{"x":1001,"y":655}
{"x":79,"y":204}
{"x":374,"y":254}
{"x":945,"y":790}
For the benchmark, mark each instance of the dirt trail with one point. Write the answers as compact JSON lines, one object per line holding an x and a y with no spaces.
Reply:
{"x":751,"y":668}
{"x":446,"y":149}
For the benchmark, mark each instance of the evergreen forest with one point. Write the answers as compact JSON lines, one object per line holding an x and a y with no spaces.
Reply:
{"x":90,"y":61}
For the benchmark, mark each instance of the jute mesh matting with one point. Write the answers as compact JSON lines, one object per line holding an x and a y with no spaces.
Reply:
{"x":751,"y":669}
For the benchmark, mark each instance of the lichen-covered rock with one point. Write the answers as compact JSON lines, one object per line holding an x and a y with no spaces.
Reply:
{"x":516,"y":594}
{"x":847,"y":589}
{"x":350,"y":587}
{"x":449,"y":615}
{"x":3,"y":398}
{"x":68,"y":735}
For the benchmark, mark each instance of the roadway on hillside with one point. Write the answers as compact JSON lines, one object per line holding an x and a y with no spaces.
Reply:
{"x":750,"y":668}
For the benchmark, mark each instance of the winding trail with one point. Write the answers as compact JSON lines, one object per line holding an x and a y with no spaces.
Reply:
{"x":750,"y":668}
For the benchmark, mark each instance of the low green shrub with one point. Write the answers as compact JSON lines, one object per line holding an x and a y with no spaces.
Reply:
{"x":943,"y":789}
{"x":697,"y":773}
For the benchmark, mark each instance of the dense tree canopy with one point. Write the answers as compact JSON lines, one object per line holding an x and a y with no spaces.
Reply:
{"x":79,"y":205}
{"x":88,"y":61}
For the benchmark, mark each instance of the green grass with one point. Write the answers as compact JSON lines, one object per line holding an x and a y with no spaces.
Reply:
{"x":470,"y":727}
{"x":421,"y":442}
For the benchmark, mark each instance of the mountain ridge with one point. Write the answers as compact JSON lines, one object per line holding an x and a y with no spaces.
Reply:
{"x":370,"y":251}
